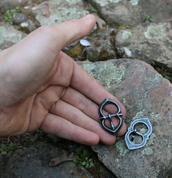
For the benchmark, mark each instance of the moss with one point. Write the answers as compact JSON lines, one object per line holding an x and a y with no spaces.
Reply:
{"x":147,"y":151}
{"x":134,"y":2}
{"x":77,"y":50}
{"x":121,"y":146}
{"x":106,"y":73}
{"x":126,"y":34}
{"x":154,"y":32}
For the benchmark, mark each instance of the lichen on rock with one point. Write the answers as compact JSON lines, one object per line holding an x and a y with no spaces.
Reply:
{"x":105,"y":73}
{"x":61,"y":11}
{"x":73,"y":1}
{"x":151,"y":140}
{"x":154,"y":32}
{"x":154,"y":116}
{"x":2,"y":32}
{"x":171,"y":94}
{"x":105,"y":2}
{"x":134,"y":2}
{"x":147,"y":151}
{"x":9,"y":34}
{"x":58,"y":16}
{"x":56,"y":1}
{"x":138,"y":115}
{"x":126,"y":34}
{"x":121,"y":146}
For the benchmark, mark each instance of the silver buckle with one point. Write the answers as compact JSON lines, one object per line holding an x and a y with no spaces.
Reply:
{"x":131,"y":130}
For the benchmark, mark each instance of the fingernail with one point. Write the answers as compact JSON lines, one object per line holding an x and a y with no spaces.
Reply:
{"x":89,"y":16}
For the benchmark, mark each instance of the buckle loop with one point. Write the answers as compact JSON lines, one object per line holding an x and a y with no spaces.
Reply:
{"x":114,"y":130}
{"x":129,"y":143}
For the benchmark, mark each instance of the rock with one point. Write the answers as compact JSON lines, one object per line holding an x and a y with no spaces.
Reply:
{"x":132,"y":12}
{"x":9,"y":36}
{"x":31,"y":25}
{"x":18,"y":18}
{"x":11,"y":4}
{"x":101,"y":48}
{"x":33,"y":162}
{"x":145,"y":94}
{"x":61,"y":11}
{"x":148,"y":42}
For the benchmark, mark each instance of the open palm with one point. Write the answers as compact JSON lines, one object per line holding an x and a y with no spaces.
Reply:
{"x":43,"y":88}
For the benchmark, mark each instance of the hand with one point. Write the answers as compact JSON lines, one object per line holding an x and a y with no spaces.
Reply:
{"x":43,"y":88}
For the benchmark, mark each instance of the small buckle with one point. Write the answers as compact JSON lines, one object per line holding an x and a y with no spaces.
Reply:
{"x":114,"y":129}
{"x":129,"y":143}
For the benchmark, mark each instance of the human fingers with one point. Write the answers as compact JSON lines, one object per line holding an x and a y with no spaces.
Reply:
{"x":78,"y":118}
{"x":42,"y":104}
{"x":90,"y":108}
{"x":84,"y":83}
{"x":60,"y":127}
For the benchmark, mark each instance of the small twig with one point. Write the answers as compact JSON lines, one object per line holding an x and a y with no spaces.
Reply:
{"x":62,"y":158}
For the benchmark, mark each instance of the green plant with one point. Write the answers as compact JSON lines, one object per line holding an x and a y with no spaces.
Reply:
{"x":38,"y":131}
{"x":166,"y":77}
{"x":108,"y":46}
{"x":19,"y":9}
{"x":5,"y":149}
{"x":123,"y":26}
{"x":148,"y":18}
{"x":83,"y":158}
{"x":102,"y":170}
{"x":9,"y":14}
{"x":94,"y":10}
{"x":8,"y":17}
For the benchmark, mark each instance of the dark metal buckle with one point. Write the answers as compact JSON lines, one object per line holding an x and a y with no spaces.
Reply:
{"x":131,"y":130}
{"x":114,"y":129}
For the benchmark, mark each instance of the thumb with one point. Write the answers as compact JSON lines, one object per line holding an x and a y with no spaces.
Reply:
{"x":58,"y":36}
{"x":72,"y":30}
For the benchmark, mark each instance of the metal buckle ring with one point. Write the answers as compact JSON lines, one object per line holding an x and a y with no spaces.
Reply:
{"x":114,"y":129}
{"x":129,"y":143}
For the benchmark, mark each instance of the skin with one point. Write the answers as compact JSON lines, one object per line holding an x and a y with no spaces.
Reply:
{"x":43,"y":88}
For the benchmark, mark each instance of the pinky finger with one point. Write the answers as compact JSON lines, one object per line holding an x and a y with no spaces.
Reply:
{"x":60,"y":127}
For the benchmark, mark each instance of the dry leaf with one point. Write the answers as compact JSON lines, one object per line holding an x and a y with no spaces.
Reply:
{"x":101,"y":23}
{"x":45,"y":9}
